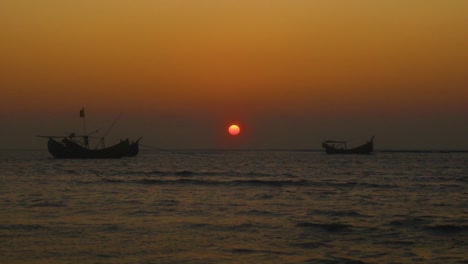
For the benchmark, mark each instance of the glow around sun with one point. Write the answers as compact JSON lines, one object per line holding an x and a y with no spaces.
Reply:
{"x":234,"y":130}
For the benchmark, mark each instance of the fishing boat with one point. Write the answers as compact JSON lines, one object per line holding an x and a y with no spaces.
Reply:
{"x":76,"y":146}
{"x":340,"y":147}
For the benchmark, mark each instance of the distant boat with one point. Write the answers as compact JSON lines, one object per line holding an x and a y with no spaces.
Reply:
{"x":71,"y":147}
{"x":339,"y":147}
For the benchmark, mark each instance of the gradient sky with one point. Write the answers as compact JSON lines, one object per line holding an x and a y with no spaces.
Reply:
{"x":290,"y":72}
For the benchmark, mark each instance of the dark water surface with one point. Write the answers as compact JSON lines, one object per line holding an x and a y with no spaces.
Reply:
{"x":234,"y":207}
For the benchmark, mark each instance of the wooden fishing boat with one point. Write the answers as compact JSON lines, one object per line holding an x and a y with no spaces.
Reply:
{"x":71,"y":149}
{"x":340,"y":147}
{"x":78,"y":146}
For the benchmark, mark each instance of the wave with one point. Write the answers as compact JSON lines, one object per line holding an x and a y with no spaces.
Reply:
{"x":413,"y":222}
{"x":70,"y":171}
{"x":371,"y":185}
{"x":396,"y":242}
{"x":424,"y":225}
{"x":201,"y":226}
{"x":335,"y":261}
{"x":258,"y":213}
{"x":176,"y":182}
{"x":310,"y":245}
{"x":112,"y":180}
{"x":345,"y":213}
{"x":22,"y":227}
{"x":232,"y":183}
{"x":256,"y":251}
{"x":184,"y":173}
{"x":241,"y":227}
{"x":257,"y":174}
{"x":168,"y":202}
{"x":445,"y":229}
{"x":215,"y":171}
{"x":272,"y":183}
{"x":47,"y":204}
{"x":180,"y":173}
{"x":264,"y":196}
{"x":462,"y":179}
{"x":244,"y":227}
{"x":141,"y":213}
{"x":332,"y":227}
{"x":248,"y":182}
{"x":112,"y":228}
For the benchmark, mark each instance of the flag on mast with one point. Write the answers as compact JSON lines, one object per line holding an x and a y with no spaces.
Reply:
{"x":82,"y":112}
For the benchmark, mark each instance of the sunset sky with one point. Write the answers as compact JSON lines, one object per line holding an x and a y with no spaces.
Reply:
{"x":291,"y":73}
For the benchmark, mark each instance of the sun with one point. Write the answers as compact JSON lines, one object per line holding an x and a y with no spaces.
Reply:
{"x":234,"y":130}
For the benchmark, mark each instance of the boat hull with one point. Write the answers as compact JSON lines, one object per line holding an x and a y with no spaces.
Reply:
{"x":68,"y":149}
{"x":367,"y":148}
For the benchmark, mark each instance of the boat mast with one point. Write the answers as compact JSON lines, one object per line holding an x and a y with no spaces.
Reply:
{"x":107,"y":132}
{"x":85,"y":137}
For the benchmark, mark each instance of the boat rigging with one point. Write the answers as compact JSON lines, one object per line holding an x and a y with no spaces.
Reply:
{"x":71,"y":148}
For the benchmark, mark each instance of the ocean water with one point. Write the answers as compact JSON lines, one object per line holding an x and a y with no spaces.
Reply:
{"x":234,"y":207}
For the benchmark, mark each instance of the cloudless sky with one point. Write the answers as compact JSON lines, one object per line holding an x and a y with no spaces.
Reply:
{"x":290,"y":73}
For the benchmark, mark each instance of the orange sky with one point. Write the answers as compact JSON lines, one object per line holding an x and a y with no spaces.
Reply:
{"x":188,"y":67}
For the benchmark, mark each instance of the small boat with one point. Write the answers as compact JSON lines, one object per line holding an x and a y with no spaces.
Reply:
{"x":339,"y":147}
{"x":70,"y":147}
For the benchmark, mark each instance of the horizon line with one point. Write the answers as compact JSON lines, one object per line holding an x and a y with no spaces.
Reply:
{"x":275,"y":149}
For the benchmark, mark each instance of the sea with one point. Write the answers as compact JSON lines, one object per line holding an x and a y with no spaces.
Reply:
{"x":175,"y":206}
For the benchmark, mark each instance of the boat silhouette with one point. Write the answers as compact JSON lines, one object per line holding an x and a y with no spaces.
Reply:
{"x":340,"y":147}
{"x":76,"y":146}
